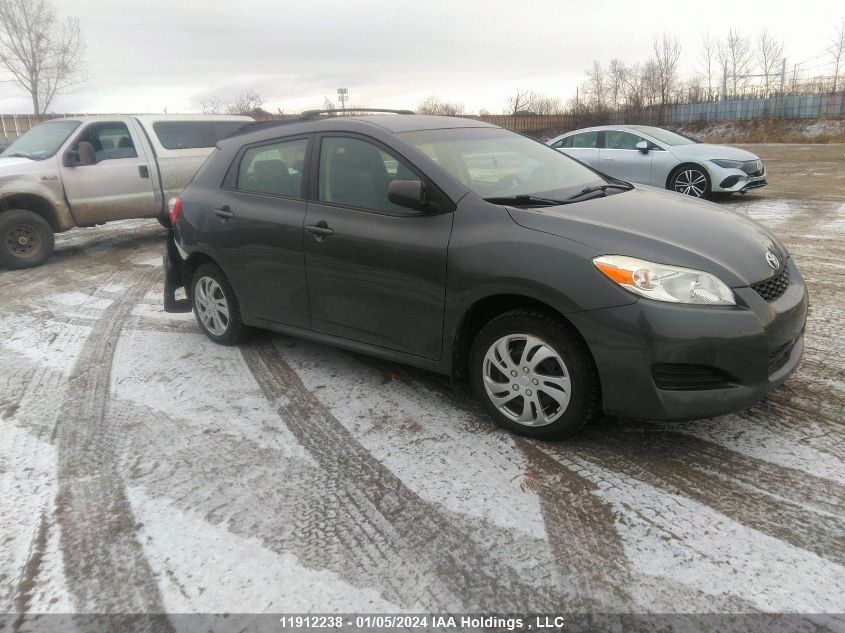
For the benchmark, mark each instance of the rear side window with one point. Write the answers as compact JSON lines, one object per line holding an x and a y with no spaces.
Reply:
{"x":273,"y":169}
{"x":585,"y":139}
{"x":564,"y":142}
{"x":193,"y":134}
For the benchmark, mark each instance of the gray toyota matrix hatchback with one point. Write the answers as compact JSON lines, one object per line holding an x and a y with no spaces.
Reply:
{"x":463,"y":248}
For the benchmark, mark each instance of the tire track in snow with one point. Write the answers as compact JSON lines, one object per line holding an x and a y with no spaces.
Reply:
{"x":104,"y":564}
{"x":788,"y":505}
{"x":417,"y":543}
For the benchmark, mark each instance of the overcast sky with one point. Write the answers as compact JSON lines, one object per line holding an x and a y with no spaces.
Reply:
{"x":156,"y":54}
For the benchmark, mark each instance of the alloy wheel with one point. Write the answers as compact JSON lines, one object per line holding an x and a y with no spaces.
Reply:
{"x":526,"y":379}
{"x":212,"y":307}
{"x":691,"y":182}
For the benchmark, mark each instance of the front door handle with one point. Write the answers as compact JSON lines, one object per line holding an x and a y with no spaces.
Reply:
{"x":144,"y":171}
{"x":320,"y":230}
{"x":224,"y":212}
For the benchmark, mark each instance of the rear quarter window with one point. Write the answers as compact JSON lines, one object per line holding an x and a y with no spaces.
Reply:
{"x":193,"y":134}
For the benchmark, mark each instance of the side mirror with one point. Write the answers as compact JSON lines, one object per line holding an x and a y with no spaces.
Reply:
{"x":642,"y":146}
{"x":407,"y":193}
{"x":83,"y":155}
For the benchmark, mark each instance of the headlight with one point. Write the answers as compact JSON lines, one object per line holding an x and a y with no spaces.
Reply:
{"x":665,"y":283}
{"x":728,"y":164}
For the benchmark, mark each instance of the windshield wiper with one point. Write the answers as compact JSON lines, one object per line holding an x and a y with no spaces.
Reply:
{"x":18,"y":155}
{"x":602,"y":188}
{"x":524,"y":200}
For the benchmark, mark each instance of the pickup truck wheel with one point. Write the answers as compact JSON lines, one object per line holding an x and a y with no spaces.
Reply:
{"x":216,"y":307}
{"x":26,"y":239}
{"x":534,"y":375}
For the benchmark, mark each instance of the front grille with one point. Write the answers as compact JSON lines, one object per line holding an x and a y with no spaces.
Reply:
{"x":753,"y":168}
{"x":681,"y":377}
{"x":773,"y":287}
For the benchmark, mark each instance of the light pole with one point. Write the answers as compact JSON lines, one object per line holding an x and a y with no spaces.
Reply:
{"x":343,"y":97}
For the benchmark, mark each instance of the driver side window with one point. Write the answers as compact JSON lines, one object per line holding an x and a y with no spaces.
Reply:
{"x":111,"y":140}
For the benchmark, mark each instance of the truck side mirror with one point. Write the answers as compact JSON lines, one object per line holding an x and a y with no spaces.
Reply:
{"x":82,"y":156}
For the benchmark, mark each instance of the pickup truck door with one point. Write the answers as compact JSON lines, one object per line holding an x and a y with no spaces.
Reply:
{"x":119,"y":185}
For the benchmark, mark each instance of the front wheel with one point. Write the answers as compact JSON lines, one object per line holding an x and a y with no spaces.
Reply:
{"x":691,"y":180}
{"x":534,"y":375}
{"x":27,"y":239}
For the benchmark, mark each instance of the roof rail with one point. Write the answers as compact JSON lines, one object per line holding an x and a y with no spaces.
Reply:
{"x":310,"y":114}
{"x":253,"y":126}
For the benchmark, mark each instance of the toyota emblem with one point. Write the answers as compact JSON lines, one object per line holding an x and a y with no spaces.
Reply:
{"x":772,"y":260}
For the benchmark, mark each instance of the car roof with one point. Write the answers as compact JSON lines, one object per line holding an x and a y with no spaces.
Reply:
{"x":153,"y":118}
{"x":645,"y":129}
{"x":391,"y":123}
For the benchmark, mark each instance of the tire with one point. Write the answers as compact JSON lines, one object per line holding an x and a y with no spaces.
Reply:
{"x":687,"y":179}
{"x":26,"y":239}
{"x":561,"y":390}
{"x":211,"y":291}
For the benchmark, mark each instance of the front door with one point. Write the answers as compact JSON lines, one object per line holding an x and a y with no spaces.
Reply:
{"x":376,"y":271}
{"x":119,"y":185}
{"x":620,"y":158}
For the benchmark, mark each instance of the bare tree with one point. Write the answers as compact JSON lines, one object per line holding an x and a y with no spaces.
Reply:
{"x":246,"y":102}
{"x":735,"y":56}
{"x":769,"y":58}
{"x":667,"y":51}
{"x":617,"y":74}
{"x":522,"y":101}
{"x":549,"y":105}
{"x":837,"y":52}
{"x":43,"y":56}
{"x":708,"y":62}
{"x":434,"y":105}
{"x":212,"y":105}
{"x":595,"y":88}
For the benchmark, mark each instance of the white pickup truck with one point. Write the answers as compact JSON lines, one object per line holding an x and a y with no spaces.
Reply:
{"x":89,"y":170}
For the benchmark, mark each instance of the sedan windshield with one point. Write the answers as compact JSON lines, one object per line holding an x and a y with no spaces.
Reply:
{"x":42,"y":141}
{"x":667,"y":137}
{"x":502,"y":165}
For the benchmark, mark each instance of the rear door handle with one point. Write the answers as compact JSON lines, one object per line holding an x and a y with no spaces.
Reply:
{"x":224,"y":212}
{"x":320,"y":230}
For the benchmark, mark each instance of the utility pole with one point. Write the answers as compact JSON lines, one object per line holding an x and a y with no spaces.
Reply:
{"x":782,"y":75}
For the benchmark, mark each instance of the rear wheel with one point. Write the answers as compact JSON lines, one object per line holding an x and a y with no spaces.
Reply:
{"x":534,"y":375}
{"x":216,"y":307}
{"x":26,"y":239}
{"x":691,"y":180}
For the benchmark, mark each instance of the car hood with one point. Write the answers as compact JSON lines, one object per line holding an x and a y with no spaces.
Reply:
{"x":706,"y":151}
{"x":665,"y":228}
{"x":13,"y":164}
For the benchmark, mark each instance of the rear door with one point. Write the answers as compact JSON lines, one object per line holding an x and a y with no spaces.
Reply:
{"x":379,"y":277}
{"x":619,"y":157}
{"x":256,"y":230}
{"x":583,"y":146}
{"x":118,"y":185}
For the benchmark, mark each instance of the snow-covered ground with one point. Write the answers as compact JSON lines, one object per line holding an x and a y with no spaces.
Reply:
{"x":145,"y":470}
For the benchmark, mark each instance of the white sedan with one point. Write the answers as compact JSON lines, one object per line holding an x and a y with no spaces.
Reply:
{"x":658,"y":157}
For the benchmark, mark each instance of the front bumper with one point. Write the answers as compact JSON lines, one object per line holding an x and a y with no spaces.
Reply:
{"x":755,"y":346}
{"x":730,"y":180}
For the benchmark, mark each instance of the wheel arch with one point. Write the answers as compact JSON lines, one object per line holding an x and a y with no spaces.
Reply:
{"x":477,"y":315}
{"x":36,"y":204}
{"x":684,"y":165}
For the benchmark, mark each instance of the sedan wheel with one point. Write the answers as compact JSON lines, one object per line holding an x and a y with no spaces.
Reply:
{"x":526,"y":379}
{"x":691,"y":182}
{"x":212,"y":307}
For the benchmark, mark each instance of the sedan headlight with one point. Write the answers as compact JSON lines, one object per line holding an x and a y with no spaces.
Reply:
{"x":665,"y":283}
{"x":728,"y":164}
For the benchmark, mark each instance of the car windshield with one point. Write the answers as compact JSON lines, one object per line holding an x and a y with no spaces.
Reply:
{"x":497,"y":163}
{"x":668,"y":137}
{"x":42,"y":141}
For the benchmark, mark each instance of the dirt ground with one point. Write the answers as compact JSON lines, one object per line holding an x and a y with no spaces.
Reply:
{"x":144,"y":469}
